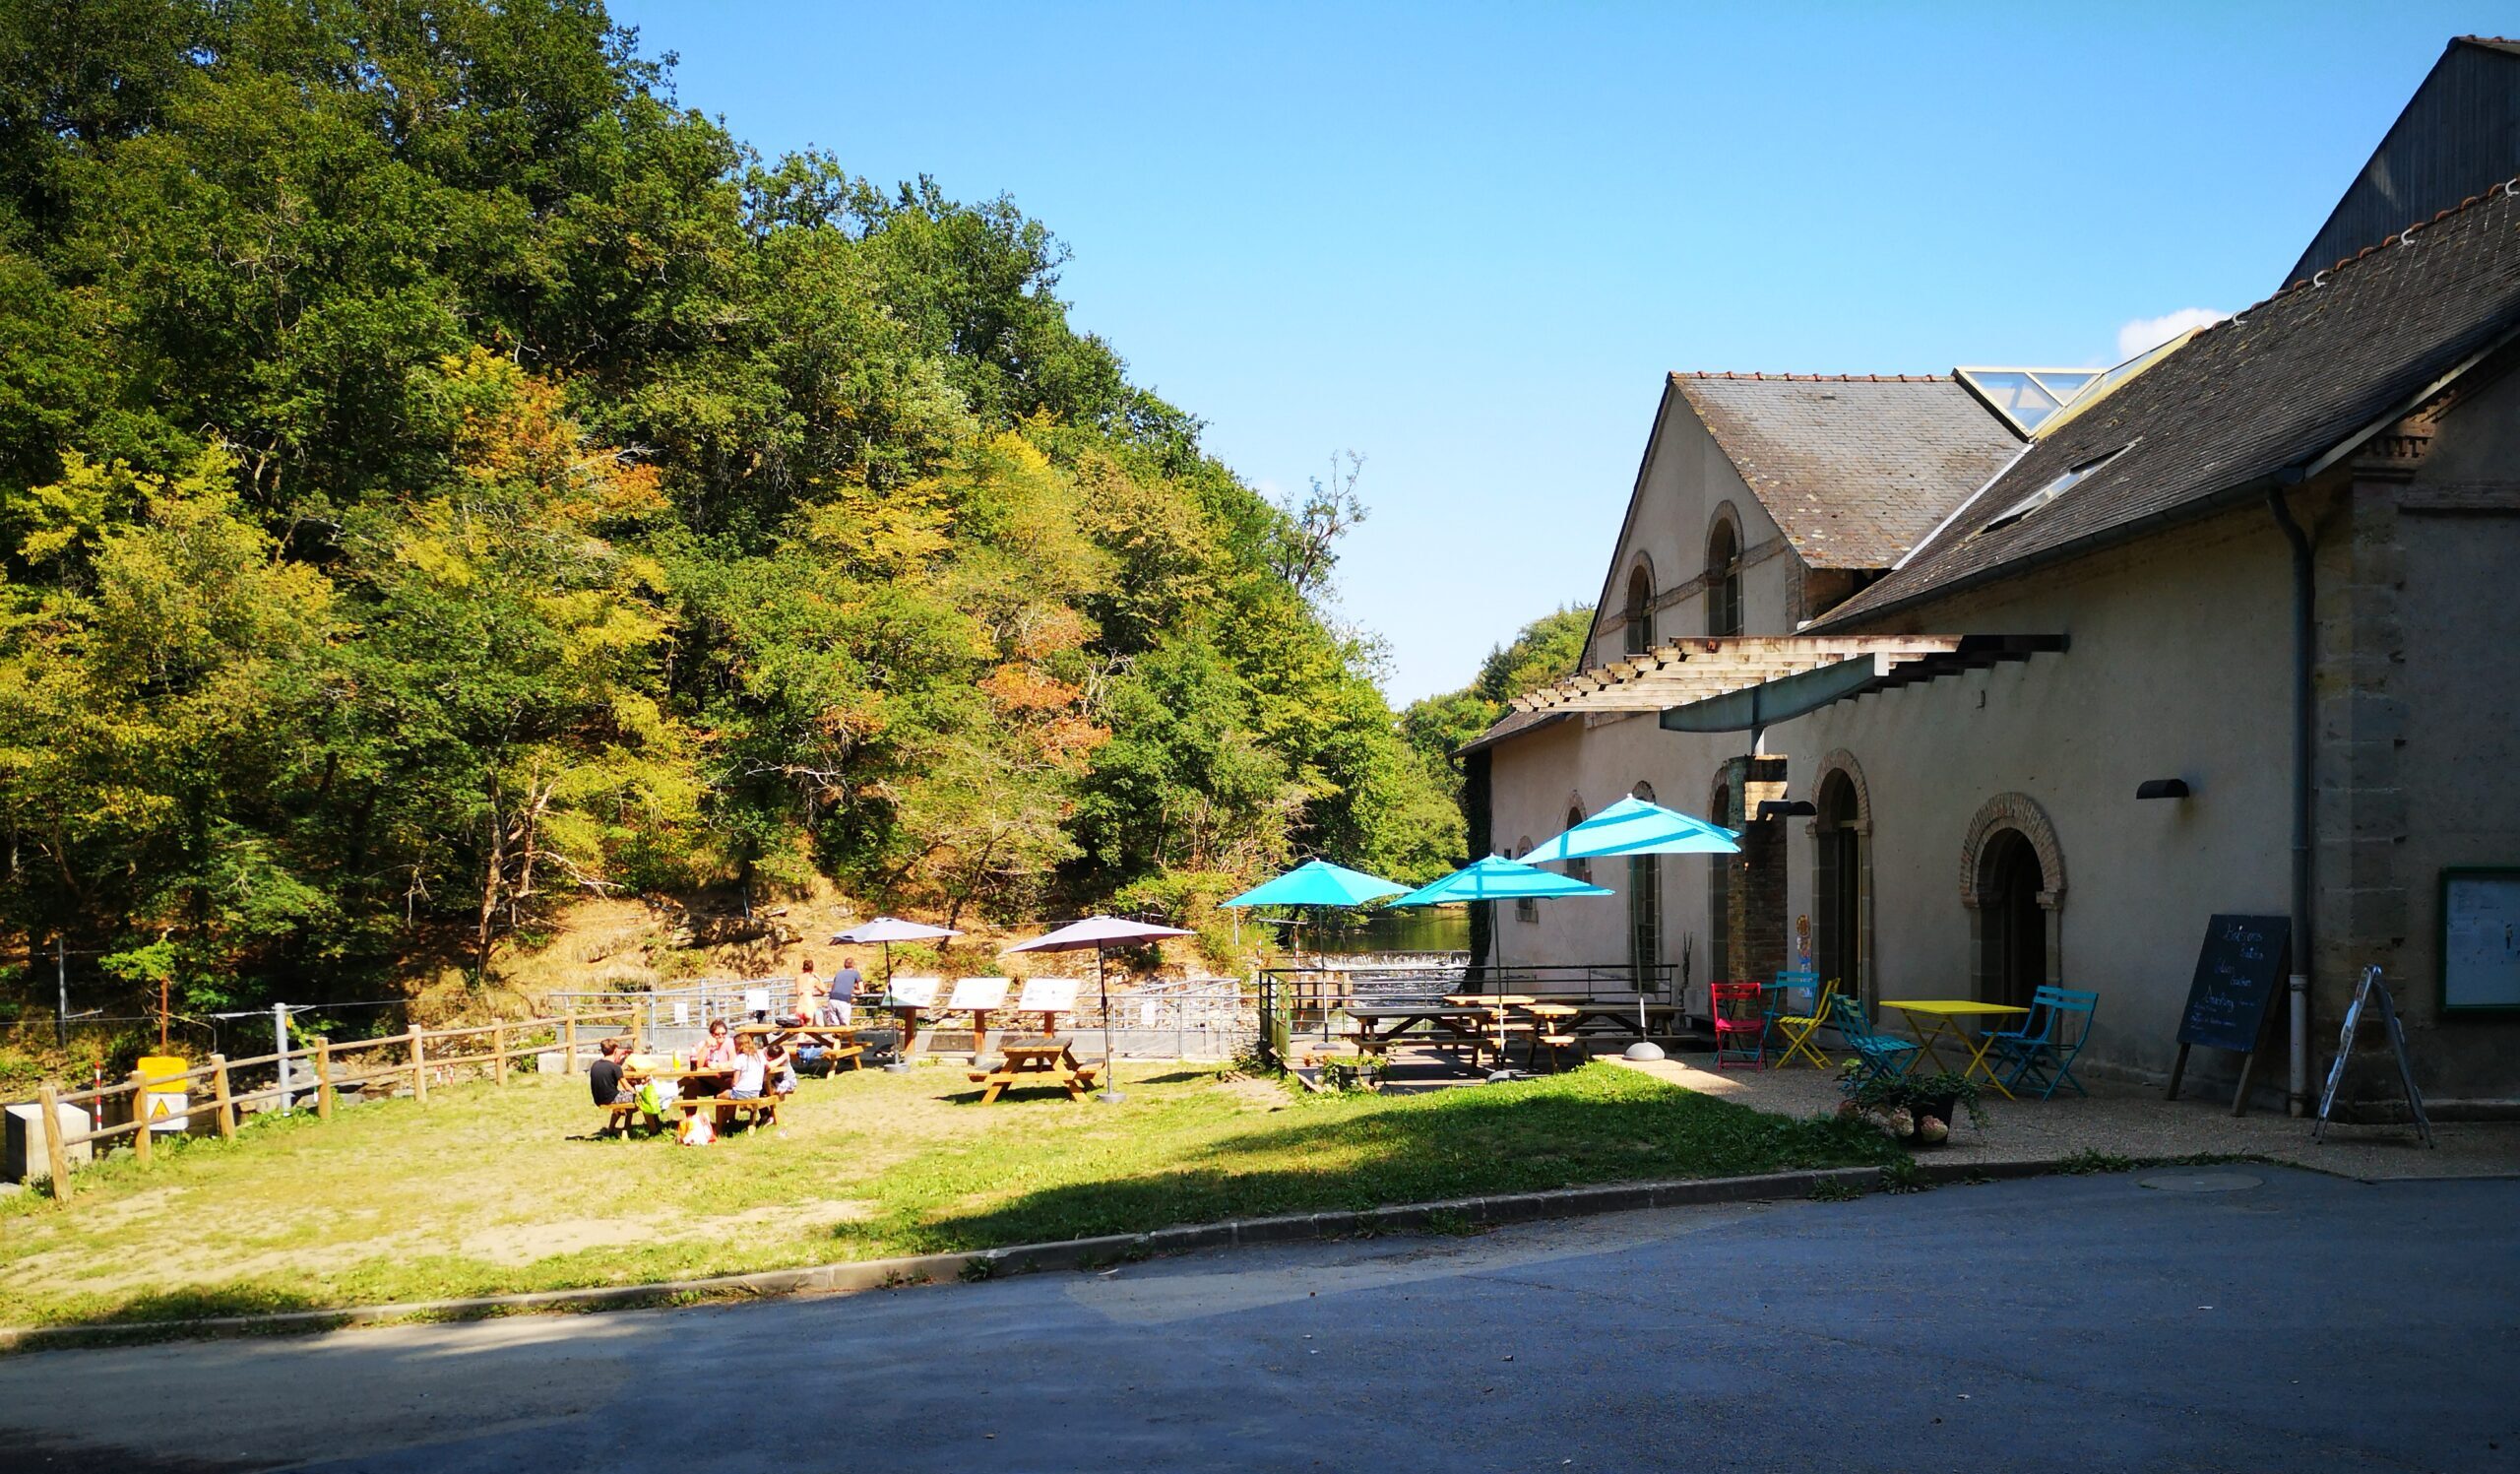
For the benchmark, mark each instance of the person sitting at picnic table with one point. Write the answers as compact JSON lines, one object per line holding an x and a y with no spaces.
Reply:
{"x":603,"y":1076}
{"x":718,"y":1051}
{"x":751,"y":1068}
{"x":840,"y":1003}
{"x":778,"y":1062}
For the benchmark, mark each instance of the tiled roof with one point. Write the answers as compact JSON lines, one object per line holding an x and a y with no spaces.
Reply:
{"x":2246,"y":404}
{"x":1854,"y":468}
{"x":1512,"y":724}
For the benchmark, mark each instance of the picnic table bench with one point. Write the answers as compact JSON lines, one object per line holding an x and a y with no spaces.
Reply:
{"x":761,"y":1110}
{"x":1053,"y":1060}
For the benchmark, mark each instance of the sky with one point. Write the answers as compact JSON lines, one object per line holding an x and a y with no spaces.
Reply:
{"x":1467,"y":241}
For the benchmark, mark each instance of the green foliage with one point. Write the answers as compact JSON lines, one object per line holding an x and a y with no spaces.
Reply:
{"x":1547,"y":648}
{"x":439,"y":476}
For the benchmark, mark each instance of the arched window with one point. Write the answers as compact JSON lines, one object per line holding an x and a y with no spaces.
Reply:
{"x":1723,"y":580}
{"x":1640,"y":611}
{"x":1581,"y":869}
{"x":1525,"y":908}
{"x":1644,"y":912}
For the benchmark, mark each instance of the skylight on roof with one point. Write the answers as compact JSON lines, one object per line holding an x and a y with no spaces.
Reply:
{"x":2055,"y":487}
{"x":2026,"y":397}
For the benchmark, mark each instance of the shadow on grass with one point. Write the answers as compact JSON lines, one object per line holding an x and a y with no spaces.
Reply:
{"x":1570,"y":1130}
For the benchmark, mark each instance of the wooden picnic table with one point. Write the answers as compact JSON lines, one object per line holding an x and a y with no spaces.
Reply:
{"x":1054,"y":1059}
{"x":838,"y":1041}
{"x":1939,"y":1020}
{"x":1377,"y":1025}
{"x":1556,"y":1029}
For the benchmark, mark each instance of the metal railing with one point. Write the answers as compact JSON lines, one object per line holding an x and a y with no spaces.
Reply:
{"x":1306,"y":1002}
{"x":1194,"y":1018}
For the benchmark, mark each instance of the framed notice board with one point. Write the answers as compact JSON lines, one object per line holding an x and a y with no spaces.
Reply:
{"x":2480,"y":939}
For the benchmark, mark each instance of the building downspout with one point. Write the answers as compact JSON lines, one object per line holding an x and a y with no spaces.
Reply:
{"x":2304,"y":652}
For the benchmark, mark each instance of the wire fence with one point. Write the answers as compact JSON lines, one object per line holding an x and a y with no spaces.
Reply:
{"x":1193,"y":1019}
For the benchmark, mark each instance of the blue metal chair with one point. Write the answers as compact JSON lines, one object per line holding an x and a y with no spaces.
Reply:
{"x":2040,"y":1053}
{"x":1880,"y":1053}
{"x":1777,"y":999}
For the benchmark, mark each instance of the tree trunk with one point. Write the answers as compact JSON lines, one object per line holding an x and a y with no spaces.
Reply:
{"x":492,"y":873}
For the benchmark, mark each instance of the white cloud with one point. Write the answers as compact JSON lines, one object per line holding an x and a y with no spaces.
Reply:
{"x":2146,"y":333}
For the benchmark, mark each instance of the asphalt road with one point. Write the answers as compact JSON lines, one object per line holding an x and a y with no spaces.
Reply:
{"x":2294,"y":1323}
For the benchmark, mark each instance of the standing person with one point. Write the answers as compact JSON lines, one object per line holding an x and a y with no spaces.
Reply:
{"x":840,"y":1004}
{"x":810,"y":993}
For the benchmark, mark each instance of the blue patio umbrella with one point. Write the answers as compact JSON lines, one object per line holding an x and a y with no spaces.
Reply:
{"x":1498,"y":879}
{"x":1636,"y":826}
{"x":1318,"y":882}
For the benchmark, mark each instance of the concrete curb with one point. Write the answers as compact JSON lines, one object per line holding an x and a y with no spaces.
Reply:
{"x":1448,"y":1215}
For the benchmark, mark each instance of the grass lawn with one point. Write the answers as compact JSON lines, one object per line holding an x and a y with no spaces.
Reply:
{"x":487,"y":1190}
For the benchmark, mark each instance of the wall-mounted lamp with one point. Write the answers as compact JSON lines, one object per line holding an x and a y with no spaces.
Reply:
{"x":1786,"y":808}
{"x":2162,"y":788}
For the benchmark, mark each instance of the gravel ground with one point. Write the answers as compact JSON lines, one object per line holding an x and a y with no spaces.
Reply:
{"x":2135,"y":1122}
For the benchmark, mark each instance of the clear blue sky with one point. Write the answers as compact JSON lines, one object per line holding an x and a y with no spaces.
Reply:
{"x":1467,"y":241}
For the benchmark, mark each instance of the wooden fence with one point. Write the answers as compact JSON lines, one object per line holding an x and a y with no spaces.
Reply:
{"x":336,"y":1066}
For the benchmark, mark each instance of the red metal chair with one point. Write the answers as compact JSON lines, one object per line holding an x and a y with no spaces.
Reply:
{"x":1740,"y":1025}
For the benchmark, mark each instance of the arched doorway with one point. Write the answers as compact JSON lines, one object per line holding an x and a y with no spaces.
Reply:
{"x":1645,"y":912}
{"x":2014,"y":931}
{"x":2012,"y":879}
{"x":1839,"y":881}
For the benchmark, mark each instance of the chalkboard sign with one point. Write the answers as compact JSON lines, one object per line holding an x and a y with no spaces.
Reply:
{"x":2239,"y":971}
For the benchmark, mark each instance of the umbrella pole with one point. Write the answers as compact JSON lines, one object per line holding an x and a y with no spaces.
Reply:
{"x":1110,"y":1081}
{"x":901,"y":1051}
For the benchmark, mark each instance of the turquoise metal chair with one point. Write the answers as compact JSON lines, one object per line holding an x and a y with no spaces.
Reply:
{"x":1778,"y":1000}
{"x":2040,"y":1053}
{"x":1880,"y":1053}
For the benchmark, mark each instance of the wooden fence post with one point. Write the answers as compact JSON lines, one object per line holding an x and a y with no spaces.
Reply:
{"x":58,"y":1158}
{"x":419,"y":1066}
{"x":569,"y":1044}
{"x":219,"y":1095}
{"x":140,"y":1113}
{"x":323,"y":1078}
{"x":499,"y":1053}
{"x":636,"y":1046}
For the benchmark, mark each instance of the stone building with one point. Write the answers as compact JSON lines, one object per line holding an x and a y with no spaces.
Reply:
{"x":1927,"y":640}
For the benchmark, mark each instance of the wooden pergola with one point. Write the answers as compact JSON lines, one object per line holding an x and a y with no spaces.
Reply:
{"x":1735,"y":682}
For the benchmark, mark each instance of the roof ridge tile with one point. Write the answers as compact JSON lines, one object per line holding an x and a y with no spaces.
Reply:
{"x":1678,"y":374}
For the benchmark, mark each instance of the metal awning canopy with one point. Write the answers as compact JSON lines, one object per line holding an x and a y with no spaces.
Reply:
{"x":1741,"y":682}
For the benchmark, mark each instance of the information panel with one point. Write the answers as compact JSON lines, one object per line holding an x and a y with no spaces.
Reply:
{"x":2480,"y":939}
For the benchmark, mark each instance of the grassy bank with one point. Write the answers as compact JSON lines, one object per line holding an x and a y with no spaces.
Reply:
{"x":486,"y":1191}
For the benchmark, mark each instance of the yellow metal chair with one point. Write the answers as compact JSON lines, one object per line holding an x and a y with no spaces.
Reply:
{"x":1796,"y":1029}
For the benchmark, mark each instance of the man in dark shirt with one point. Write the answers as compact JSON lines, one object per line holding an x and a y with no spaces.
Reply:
{"x":603,"y":1076}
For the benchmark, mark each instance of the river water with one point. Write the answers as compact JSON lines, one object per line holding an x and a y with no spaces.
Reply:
{"x":1432,"y":928}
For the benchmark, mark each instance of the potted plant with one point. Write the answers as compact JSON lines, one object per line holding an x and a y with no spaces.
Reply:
{"x":1914,"y":1108}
